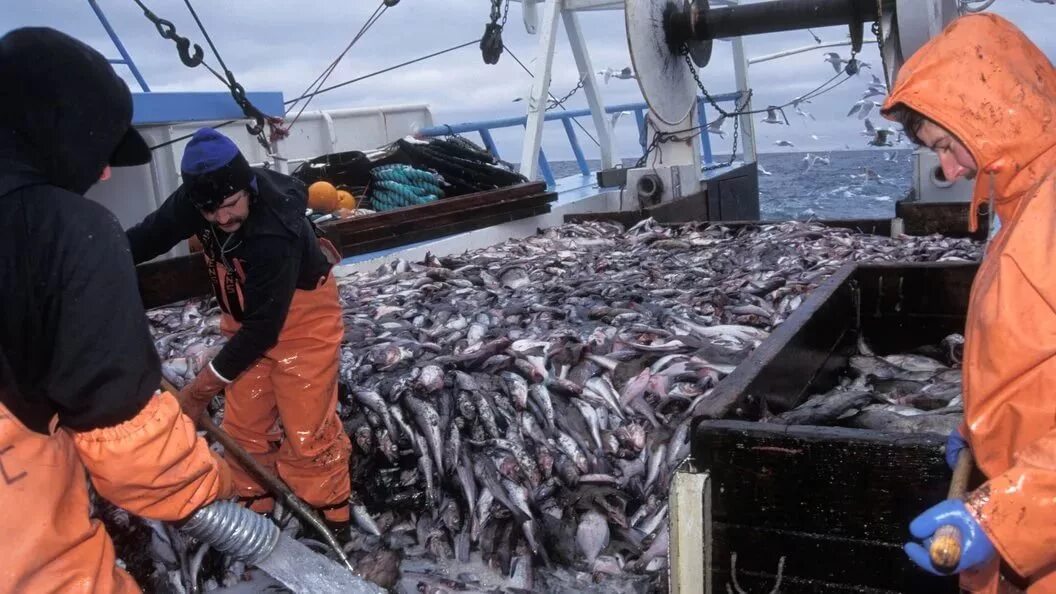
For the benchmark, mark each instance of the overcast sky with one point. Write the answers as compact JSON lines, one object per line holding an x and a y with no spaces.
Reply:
{"x":282,"y":45}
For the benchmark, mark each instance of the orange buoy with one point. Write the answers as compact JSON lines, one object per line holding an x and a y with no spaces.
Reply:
{"x":322,"y":197}
{"x":346,"y":200}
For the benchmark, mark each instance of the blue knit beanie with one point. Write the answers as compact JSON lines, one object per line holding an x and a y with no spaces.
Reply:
{"x":213,"y":169}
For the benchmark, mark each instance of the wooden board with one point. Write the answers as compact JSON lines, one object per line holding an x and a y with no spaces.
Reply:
{"x":350,"y":227}
{"x":630,"y":218}
{"x":947,"y":218}
{"x":782,"y":368}
{"x":175,"y":279}
{"x":906,"y":306}
{"x":454,"y":225}
{"x":836,"y":503}
{"x":427,"y":225}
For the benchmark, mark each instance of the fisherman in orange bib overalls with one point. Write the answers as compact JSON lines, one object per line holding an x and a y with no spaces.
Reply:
{"x":271,"y":276}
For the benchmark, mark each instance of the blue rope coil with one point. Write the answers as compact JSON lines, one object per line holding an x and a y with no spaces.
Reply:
{"x":397,"y":186}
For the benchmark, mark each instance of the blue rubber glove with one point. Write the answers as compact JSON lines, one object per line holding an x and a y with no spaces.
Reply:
{"x":976,"y":548}
{"x":954,"y":444}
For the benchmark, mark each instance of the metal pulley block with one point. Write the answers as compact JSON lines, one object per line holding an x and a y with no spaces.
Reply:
{"x":491,"y":43}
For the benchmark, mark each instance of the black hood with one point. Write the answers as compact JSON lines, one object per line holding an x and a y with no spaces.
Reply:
{"x":283,"y":198}
{"x":64,"y":112}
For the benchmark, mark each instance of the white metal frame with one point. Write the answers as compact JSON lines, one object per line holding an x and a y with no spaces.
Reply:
{"x":541,"y":17}
{"x":547,"y":25}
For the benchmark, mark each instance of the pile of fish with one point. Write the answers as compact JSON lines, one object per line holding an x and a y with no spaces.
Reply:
{"x":918,"y":392}
{"x":521,"y":409}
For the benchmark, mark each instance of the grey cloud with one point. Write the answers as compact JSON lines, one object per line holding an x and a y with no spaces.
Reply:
{"x":284,"y":44}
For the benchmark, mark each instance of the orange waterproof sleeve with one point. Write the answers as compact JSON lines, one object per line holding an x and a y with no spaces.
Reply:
{"x":1017,"y":509}
{"x":154,"y":465}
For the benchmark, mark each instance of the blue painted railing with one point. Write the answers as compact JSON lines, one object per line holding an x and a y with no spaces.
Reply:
{"x":485,"y":127}
{"x":126,"y":59}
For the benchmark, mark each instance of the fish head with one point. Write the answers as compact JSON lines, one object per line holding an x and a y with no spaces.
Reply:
{"x":431,"y":378}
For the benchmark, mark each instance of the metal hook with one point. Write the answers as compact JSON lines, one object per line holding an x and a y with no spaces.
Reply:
{"x":190,"y":60}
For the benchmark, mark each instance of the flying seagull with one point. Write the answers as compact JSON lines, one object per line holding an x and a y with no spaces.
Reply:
{"x":624,"y":74}
{"x":874,"y":91}
{"x":863,"y":108}
{"x":882,"y":137}
{"x":811,"y":160}
{"x":800,"y":111}
{"x":836,"y":61}
{"x":771,"y":116}
{"x":715,"y":127}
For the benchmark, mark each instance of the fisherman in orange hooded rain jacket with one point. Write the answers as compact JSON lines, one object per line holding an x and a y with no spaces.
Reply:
{"x":984,"y":98}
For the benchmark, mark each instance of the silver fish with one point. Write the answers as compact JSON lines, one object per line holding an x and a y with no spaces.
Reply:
{"x":915,"y":363}
{"x":486,"y":414}
{"x":656,"y":461}
{"x":568,"y":445}
{"x":519,"y":496}
{"x":468,"y":483}
{"x":409,"y":433}
{"x":452,"y":447}
{"x":429,"y":422}
{"x":374,"y":401}
{"x":826,"y":408}
{"x":364,"y":521}
{"x":592,"y":420}
{"x":484,"y":502}
{"x":516,"y":388}
{"x":603,"y":387}
{"x":592,"y":535}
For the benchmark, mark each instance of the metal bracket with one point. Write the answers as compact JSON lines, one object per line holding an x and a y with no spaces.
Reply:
{"x":857,"y":27}
{"x":530,"y":10}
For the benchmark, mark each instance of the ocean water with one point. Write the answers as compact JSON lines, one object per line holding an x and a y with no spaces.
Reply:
{"x":853,"y":185}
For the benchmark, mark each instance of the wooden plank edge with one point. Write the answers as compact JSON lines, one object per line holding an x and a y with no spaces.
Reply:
{"x":732,"y":388}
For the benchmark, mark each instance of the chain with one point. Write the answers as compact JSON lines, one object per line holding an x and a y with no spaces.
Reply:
{"x":495,"y":11}
{"x":660,"y":137}
{"x":700,"y":85}
{"x":555,"y":103}
{"x":238,"y":93}
{"x":168,"y":31}
{"x":736,"y":136}
{"x":505,"y":13}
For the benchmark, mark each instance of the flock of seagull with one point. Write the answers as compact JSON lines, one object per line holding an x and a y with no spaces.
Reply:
{"x":879,"y":137}
{"x":862,"y":108}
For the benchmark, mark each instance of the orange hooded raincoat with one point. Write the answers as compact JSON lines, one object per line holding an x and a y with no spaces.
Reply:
{"x":988,"y":85}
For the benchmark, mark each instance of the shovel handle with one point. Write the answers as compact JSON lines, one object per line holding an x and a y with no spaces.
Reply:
{"x":269,"y":480}
{"x":945,"y":549}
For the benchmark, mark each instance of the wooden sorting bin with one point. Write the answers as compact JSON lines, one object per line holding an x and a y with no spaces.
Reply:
{"x":833,"y":503}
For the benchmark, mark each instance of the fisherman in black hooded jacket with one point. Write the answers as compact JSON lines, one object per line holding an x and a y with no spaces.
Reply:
{"x":271,"y":276}
{"x":78,"y":371}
